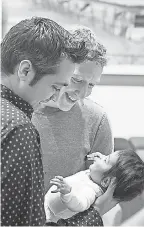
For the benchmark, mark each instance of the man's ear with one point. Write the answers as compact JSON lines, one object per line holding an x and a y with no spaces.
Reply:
{"x":26,"y":71}
{"x":105,"y":182}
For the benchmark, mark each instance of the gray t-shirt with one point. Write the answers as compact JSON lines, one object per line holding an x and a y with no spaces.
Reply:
{"x":67,"y":137}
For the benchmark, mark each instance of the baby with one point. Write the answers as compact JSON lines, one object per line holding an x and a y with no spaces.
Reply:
{"x":78,"y":192}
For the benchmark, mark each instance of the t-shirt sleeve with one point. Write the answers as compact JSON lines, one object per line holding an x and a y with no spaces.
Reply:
{"x":104,"y":141}
{"x":22,"y":186}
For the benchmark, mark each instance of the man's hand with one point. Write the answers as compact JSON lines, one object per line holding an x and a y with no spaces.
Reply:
{"x":105,"y":202}
{"x":62,"y":186}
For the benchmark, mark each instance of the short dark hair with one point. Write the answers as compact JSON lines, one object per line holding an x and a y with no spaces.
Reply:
{"x":43,"y":42}
{"x":129,"y":173}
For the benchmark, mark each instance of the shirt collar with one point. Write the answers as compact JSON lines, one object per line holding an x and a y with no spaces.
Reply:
{"x":16,"y":100}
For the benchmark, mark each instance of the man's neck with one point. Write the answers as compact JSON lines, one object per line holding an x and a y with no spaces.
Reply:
{"x":5,"y":80}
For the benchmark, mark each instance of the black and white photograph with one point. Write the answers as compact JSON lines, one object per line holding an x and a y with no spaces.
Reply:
{"x":72,"y":113}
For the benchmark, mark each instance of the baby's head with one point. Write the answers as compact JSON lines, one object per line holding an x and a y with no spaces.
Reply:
{"x":128,"y":170}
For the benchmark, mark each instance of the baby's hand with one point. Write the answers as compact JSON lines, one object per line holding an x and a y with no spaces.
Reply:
{"x":62,"y":186}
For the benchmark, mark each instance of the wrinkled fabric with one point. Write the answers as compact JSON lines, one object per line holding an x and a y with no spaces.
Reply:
{"x":22,"y":180}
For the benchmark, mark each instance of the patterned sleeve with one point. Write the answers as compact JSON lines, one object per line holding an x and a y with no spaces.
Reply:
{"x":88,"y":217}
{"x":22,"y":186}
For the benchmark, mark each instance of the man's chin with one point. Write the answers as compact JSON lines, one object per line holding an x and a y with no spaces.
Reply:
{"x":65,"y":108}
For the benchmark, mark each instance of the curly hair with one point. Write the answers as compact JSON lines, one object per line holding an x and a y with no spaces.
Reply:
{"x":96,"y":51}
{"x":44,"y":43}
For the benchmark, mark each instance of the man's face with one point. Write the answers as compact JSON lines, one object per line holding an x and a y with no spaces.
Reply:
{"x":50,"y":85}
{"x":103,"y":163}
{"x":85,"y":77}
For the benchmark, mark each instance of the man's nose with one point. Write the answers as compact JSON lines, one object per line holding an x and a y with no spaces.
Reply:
{"x":82,"y":89}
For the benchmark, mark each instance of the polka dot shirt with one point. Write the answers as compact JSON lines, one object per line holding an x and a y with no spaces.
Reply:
{"x":22,"y":180}
{"x":88,"y":217}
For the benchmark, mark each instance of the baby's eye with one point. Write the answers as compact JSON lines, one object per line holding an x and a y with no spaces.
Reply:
{"x":76,"y":80}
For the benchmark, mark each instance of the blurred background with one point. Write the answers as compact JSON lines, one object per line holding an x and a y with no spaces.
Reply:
{"x":119,"y":24}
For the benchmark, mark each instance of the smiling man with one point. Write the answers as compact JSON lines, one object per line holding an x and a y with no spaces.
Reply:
{"x":85,"y":77}
{"x":75,"y":126}
{"x":37,"y":56}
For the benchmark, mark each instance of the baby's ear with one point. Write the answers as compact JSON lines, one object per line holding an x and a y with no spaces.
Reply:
{"x":105,"y":182}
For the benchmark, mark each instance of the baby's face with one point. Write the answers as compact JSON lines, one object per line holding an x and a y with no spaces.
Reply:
{"x":102,"y":163}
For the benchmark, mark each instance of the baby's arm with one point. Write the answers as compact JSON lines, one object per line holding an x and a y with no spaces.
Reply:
{"x":76,"y":201}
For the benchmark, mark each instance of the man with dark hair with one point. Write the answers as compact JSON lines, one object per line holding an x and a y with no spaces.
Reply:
{"x":37,"y":59}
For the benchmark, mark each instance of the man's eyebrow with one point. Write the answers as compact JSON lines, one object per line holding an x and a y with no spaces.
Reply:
{"x":95,"y":83}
